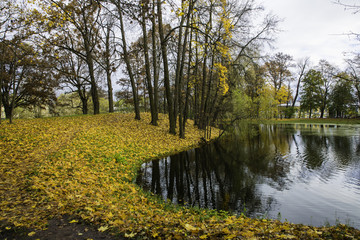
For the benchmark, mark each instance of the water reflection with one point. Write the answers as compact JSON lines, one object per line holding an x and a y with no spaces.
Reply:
{"x":308,"y":173}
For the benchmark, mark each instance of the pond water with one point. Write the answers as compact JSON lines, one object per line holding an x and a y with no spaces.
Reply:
{"x":299,"y":173}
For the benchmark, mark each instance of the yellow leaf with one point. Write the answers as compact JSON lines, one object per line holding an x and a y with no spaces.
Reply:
{"x":89,"y":209}
{"x":109,"y":215}
{"x":103,"y":228}
{"x":203,"y":237}
{"x":190,"y":228}
{"x":74,"y":221}
{"x":31,"y":234}
{"x":117,"y":222}
{"x":131,"y":235}
{"x":226,"y":231}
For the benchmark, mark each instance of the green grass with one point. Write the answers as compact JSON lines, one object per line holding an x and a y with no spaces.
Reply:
{"x":315,"y":121}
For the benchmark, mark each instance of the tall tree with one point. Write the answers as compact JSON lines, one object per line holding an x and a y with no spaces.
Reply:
{"x":74,"y":76}
{"x":233,"y":43}
{"x":108,"y":58}
{"x":164,"y":52}
{"x":27,"y":80}
{"x":197,"y":47}
{"x":311,"y":91}
{"x":278,"y":69}
{"x":156,"y":70}
{"x":302,"y":66}
{"x":328,"y":73}
{"x":341,"y":99}
{"x":145,"y":12}
{"x":125,"y":54}
{"x":13,"y":28}
{"x":353,"y":72}
{"x":75,"y":29}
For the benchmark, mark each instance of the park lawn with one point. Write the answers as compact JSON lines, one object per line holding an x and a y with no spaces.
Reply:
{"x":85,"y":167}
{"x":319,"y":120}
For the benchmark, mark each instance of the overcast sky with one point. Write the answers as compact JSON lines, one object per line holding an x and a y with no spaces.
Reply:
{"x":315,"y":28}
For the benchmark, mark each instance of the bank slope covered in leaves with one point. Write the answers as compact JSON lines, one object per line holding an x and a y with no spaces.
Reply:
{"x":84,"y":167}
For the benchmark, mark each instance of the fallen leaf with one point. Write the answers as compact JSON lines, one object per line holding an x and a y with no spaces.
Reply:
{"x":103,"y":228}
{"x":131,"y":235}
{"x":190,"y":228}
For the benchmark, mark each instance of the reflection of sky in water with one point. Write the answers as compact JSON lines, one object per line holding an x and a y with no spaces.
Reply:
{"x":328,"y":130}
{"x":308,"y":174}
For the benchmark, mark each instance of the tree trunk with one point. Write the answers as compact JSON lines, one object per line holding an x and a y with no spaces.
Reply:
{"x":155,"y":65}
{"x":84,"y":100}
{"x":322,"y":109}
{"x":188,"y":89}
{"x":322,"y":112}
{"x":181,"y":75}
{"x":147,"y":66}
{"x":208,"y":94}
{"x":302,"y":72}
{"x":90,"y":63}
{"x":196,"y":88}
{"x":110,"y":92}
{"x":1,"y":83}
{"x":172,"y":123}
{"x":2,"y":71}
{"x":178,"y":74}
{"x":15,"y":90}
{"x":8,"y":111}
{"x":94,"y":92}
{"x":202,"y":119}
{"x":12,"y":103}
{"x":84,"y":106}
{"x":128,"y":66}
{"x":297,"y":92}
{"x":108,"y":71}
{"x":93,"y":85}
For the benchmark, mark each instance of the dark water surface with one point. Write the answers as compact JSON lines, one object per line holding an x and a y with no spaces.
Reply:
{"x":306,"y":174}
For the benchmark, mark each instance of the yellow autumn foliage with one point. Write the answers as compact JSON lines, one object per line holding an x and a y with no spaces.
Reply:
{"x":84,"y":166}
{"x":222,"y":72}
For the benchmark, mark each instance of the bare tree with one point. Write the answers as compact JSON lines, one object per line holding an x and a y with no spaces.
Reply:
{"x":75,"y":77}
{"x":302,"y":66}
{"x":164,"y":52}
{"x":353,"y":71}
{"x":107,"y":58}
{"x":78,"y":34}
{"x":119,"y":14}
{"x":278,"y":69}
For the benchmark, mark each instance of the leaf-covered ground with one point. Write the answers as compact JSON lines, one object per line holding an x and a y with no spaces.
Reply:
{"x":84,"y":167}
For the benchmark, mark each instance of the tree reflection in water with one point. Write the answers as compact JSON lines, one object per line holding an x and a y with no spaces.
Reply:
{"x":253,"y":172}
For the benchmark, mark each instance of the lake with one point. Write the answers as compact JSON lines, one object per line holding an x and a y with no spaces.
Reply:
{"x":300,"y":173}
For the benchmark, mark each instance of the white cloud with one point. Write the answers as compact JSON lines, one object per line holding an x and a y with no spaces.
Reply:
{"x":314,"y":28}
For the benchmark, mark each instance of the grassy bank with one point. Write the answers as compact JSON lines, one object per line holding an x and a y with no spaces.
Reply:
{"x":84,"y":167}
{"x":317,"y":121}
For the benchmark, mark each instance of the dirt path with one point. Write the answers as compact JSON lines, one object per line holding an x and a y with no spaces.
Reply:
{"x":58,"y":229}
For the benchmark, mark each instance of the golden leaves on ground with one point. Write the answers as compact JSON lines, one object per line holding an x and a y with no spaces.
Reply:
{"x":84,"y":166}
